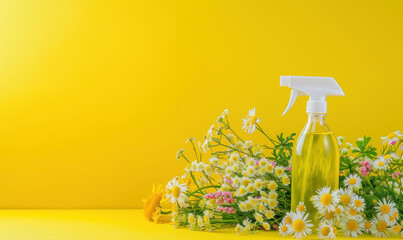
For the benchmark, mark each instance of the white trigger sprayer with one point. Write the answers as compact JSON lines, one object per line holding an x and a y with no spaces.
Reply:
{"x":317,"y":88}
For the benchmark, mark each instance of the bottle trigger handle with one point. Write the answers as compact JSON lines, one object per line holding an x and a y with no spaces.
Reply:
{"x":294,"y":94}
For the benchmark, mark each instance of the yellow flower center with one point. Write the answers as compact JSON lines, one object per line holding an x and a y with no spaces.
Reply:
{"x":329,"y":215}
{"x":301,"y":208}
{"x":298,"y":225}
{"x":352,"y":181}
{"x":353,"y":212}
{"x":380,"y":164}
{"x":252,"y":120}
{"x":396,"y":214}
{"x":288,"y":220}
{"x":385,"y":209}
{"x":175,"y":191}
{"x":345,"y":199}
{"x":387,"y":156}
{"x":338,"y":211}
{"x":245,"y":182}
{"x":367,"y":225}
{"x":397,"y":229}
{"x":358,"y":203}
{"x":381,"y":226}
{"x":284,"y":228}
{"x":272,"y":186}
{"x":325,"y":231}
{"x":392,"y":135}
{"x":352,"y":225}
{"x":326,"y":199}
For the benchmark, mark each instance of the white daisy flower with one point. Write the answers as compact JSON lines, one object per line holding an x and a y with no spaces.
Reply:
{"x":367,"y":226}
{"x":380,"y":163}
{"x":214,"y":161}
{"x":250,"y":121}
{"x":209,"y":135}
{"x":358,"y":203}
{"x":284,"y":228}
{"x":326,"y":200}
{"x":205,"y":147}
{"x":176,"y":192}
{"x":222,"y":116}
{"x":258,"y":217}
{"x":301,"y":207}
{"x":353,"y":181}
{"x":258,"y":184}
{"x":346,"y":194}
{"x":351,"y":227}
{"x":392,"y":138}
{"x":379,"y":227}
{"x":327,"y":231}
{"x":386,"y":208}
{"x":266,"y":226}
{"x":179,"y":153}
{"x":279,"y":171}
{"x":300,"y":225}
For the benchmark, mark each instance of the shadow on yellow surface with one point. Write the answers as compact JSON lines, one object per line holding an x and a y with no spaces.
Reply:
{"x":103,"y":224}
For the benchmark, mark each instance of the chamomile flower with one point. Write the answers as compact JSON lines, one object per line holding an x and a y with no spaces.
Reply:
{"x":176,"y":192}
{"x":379,"y":227}
{"x":393,"y":218}
{"x":367,"y":226}
{"x":269,"y":214}
{"x":258,"y":184}
{"x":301,"y":207}
{"x":327,"y":230}
{"x":273,"y":194}
{"x":380,"y":163}
{"x":279,"y":171}
{"x":214,"y":161}
{"x":272,"y":185}
{"x":285,"y":180}
{"x":269,"y":168}
{"x":249,"y":122}
{"x":300,"y":225}
{"x":258,"y":217}
{"x":266,"y":226}
{"x":386,"y":208}
{"x":288,"y":217}
{"x":283,"y":228}
{"x":358,"y":203}
{"x":241,"y":191}
{"x":346,"y":194}
{"x":238,"y":229}
{"x":351,"y":227}
{"x":392,"y":138}
{"x":250,"y":188}
{"x":326,"y":200}
{"x":353,"y":181}
{"x":272,"y":203}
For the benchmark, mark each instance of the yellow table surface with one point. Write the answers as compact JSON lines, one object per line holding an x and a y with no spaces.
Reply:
{"x":104,"y":224}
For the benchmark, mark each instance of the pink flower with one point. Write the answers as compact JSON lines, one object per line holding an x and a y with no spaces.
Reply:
{"x":393,"y":142}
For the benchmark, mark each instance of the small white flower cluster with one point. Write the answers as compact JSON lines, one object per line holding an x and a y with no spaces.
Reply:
{"x":200,"y":222}
{"x":342,"y":209}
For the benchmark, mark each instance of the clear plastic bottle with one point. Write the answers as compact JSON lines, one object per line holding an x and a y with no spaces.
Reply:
{"x":315,"y":163}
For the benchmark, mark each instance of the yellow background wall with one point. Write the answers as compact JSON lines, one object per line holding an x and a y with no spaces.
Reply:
{"x":97,"y":96}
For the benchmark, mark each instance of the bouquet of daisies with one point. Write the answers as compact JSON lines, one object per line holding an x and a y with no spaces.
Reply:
{"x":235,"y":183}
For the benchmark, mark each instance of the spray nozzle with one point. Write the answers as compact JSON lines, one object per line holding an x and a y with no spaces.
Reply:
{"x":317,"y":88}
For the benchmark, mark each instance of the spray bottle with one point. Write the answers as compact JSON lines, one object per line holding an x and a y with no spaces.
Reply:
{"x":315,"y":160}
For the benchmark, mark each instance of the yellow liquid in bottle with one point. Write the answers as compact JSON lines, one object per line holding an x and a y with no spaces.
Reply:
{"x":315,"y":164}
